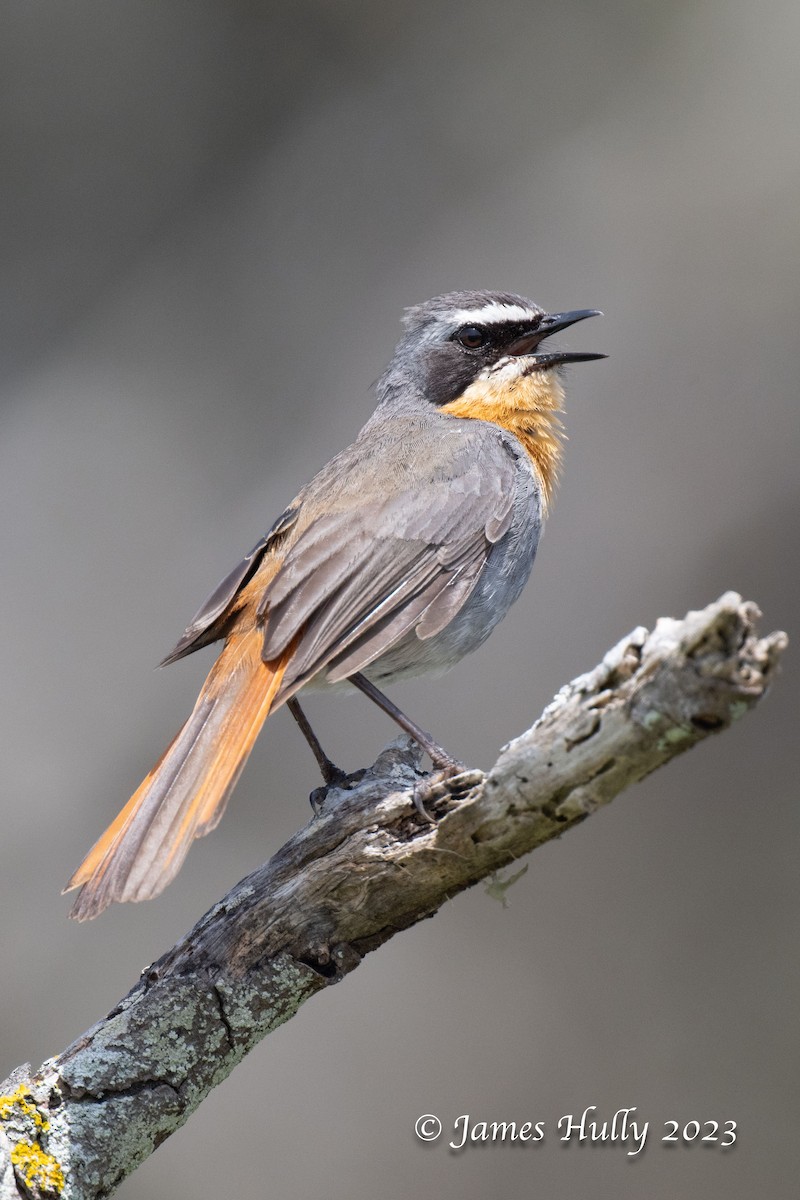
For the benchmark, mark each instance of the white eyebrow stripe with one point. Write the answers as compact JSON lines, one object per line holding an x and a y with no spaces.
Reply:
{"x":495,"y":314}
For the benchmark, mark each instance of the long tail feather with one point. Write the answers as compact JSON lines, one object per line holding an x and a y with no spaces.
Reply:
{"x":185,"y":794}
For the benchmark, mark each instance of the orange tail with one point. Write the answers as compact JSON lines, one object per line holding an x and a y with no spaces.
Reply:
{"x":185,"y":794}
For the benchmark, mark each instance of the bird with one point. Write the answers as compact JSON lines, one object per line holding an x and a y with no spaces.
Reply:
{"x":399,"y":557}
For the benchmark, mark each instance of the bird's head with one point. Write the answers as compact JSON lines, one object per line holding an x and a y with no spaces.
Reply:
{"x":462,"y":339}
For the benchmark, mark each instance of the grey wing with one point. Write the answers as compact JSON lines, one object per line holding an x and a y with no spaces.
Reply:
{"x":358,"y":580}
{"x":205,"y":625}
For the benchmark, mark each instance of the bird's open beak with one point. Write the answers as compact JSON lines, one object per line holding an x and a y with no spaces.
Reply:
{"x":549,"y":324}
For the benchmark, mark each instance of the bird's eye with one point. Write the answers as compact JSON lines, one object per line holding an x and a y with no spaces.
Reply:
{"x":471,"y":337}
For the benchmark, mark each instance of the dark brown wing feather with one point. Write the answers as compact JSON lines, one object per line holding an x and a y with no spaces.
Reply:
{"x":205,"y":625}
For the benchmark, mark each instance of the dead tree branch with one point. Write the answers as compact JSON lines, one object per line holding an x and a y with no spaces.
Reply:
{"x":364,"y":869}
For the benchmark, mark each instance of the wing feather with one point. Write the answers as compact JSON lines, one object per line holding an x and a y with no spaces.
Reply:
{"x":359,"y":579}
{"x":205,"y":625}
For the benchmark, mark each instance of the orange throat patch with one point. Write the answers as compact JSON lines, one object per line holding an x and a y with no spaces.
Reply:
{"x":527,"y":406}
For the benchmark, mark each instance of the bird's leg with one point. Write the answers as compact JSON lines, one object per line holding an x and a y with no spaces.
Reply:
{"x":438,"y":756}
{"x":332,"y":774}
{"x":448,"y":767}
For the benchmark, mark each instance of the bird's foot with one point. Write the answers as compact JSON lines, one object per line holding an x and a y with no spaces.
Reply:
{"x":451,"y":778}
{"x":335,"y":778}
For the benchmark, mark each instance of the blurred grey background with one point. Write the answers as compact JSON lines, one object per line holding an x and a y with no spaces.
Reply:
{"x":213,"y":216}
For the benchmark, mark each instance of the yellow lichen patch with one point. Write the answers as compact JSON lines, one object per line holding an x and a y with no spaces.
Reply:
{"x":527,"y":405}
{"x":38,"y":1168}
{"x":22,"y":1101}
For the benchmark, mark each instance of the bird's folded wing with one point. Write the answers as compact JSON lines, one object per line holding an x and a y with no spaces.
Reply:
{"x":358,"y":579}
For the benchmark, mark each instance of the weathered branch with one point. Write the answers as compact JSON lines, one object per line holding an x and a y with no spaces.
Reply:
{"x":366,"y":868}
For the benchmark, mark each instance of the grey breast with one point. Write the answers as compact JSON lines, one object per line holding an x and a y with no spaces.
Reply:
{"x":503,"y":574}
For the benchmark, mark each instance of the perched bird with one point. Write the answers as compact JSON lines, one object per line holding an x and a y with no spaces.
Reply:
{"x":399,"y":557}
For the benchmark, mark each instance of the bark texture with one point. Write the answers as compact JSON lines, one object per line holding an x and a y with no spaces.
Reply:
{"x":365,"y":868}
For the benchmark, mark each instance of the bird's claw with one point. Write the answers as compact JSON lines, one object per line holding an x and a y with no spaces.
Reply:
{"x":453,"y":780}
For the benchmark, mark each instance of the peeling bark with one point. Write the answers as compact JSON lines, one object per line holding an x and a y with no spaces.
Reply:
{"x":365,"y":868}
